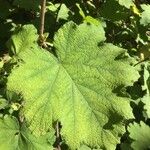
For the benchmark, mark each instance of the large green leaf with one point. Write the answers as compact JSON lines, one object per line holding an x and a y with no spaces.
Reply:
{"x":14,"y":137}
{"x":79,"y":88}
{"x":140,"y":133}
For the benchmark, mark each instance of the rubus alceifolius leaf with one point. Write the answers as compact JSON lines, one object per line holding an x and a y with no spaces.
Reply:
{"x":78,"y":88}
{"x":17,"y":137}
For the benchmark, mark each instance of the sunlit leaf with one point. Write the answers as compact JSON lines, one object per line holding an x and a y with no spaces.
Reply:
{"x":79,"y":88}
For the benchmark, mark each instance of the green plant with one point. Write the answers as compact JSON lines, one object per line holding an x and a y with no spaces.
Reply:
{"x":78,"y":78}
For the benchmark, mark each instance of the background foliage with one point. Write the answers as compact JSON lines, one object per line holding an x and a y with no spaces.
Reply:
{"x":92,"y":81}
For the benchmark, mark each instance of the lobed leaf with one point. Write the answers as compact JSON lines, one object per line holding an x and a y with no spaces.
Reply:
{"x":79,"y":88}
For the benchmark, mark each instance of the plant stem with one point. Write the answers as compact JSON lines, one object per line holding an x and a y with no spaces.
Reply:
{"x":58,"y":136}
{"x":42,"y":19}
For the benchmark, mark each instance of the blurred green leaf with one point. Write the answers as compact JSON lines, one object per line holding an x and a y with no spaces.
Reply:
{"x":3,"y":102}
{"x":145,"y":15}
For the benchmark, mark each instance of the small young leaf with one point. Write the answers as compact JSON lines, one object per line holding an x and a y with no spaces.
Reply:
{"x":23,"y":37}
{"x":63,"y":12}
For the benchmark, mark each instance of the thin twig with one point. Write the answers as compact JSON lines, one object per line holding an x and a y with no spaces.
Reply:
{"x":141,"y":61}
{"x":42,"y":19}
{"x":58,"y":136}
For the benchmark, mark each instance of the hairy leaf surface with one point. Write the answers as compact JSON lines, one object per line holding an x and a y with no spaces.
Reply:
{"x":79,"y":88}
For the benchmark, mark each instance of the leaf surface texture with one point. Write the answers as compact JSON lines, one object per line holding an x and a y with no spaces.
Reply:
{"x":79,"y":88}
